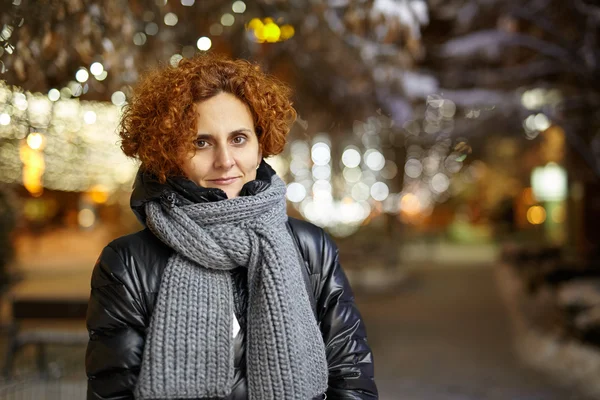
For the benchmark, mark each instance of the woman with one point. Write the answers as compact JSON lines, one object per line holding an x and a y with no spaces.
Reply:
{"x":221,"y":296}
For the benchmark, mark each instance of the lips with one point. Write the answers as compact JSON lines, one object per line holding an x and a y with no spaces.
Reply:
{"x":223,"y":181}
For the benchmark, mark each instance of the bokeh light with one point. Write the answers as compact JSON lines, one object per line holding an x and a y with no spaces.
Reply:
{"x":171,"y":19}
{"x":35,"y":140}
{"x":227,"y":19}
{"x":238,"y":7}
{"x":351,"y":157}
{"x":82,"y":75}
{"x":374,"y":160}
{"x":204,"y":43}
{"x":118,"y":98}
{"x":296,"y":192}
{"x":536,"y":215}
{"x":321,"y":153}
{"x":379,"y":191}
{"x":96,"y":68}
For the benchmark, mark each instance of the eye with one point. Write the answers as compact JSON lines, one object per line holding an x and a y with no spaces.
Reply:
{"x":200,"y":143}
{"x":239,"y":140}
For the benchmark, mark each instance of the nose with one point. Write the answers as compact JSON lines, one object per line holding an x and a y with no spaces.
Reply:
{"x":224,"y":158}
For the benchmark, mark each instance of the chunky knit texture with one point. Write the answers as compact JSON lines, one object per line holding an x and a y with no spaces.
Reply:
{"x":188,"y":352}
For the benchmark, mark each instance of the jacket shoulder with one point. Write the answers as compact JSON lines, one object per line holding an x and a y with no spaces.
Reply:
{"x":136,"y":260}
{"x":317,"y":247}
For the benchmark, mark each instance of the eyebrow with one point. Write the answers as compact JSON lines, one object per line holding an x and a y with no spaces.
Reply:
{"x":232,"y":133}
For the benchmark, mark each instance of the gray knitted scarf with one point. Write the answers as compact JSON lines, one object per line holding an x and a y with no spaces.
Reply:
{"x":189,"y":351}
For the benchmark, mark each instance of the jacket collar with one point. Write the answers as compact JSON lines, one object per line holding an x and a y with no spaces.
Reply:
{"x":147,"y":187}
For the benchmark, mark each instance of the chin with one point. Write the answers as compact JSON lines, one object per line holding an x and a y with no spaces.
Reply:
{"x":231,"y":195}
{"x":232,"y":192}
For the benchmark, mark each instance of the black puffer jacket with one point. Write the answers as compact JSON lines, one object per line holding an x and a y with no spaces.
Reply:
{"x":126,"y":280}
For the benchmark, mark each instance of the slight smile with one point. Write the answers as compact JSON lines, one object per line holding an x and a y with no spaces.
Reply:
{"x":223,"y":181}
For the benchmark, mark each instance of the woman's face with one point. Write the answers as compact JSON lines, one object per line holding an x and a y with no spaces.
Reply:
{"x":227,"y":149}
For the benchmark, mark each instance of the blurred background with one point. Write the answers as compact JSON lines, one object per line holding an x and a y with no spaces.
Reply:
{"x":451,"y":147}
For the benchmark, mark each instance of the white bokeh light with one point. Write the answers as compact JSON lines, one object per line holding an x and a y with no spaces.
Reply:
{"x":238,"y":7}
{"x":440,"y":183}
{"x":351,"y":158}
{"x":4,"y":119}
{"x":352,"y":174}
{"x":413,"y":168}
{"x":374,"y":160}
{"x":321,"y":171}
{"x":53,"y":94}
{"x":379,"y":191}
{"x":96,"y":68}
{"x":20,"y":101}
{"x":118,"y":98}
{"x":227,"y":19}
{"x":102,"y":76}
{"x":174,"y":60}
{"x":82,"y":75}
{"x":296,"y":192}
{"x":541,"y":122}
{"x":204,"y":43}
{"x":171,"y":19}
{"x":139,"y":39}
{"x":321,"y":153}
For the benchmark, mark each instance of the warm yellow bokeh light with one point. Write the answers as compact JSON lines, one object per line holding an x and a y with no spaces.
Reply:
{"x":255,"y":23}
{"x":287,"y":31}
{"x":98,"y":194}
{"x":33,"y":169}
{"x":536,"y":215}
{"x":410,"y":204}
{"x":267,"y":30}
{"x":271,"y":32}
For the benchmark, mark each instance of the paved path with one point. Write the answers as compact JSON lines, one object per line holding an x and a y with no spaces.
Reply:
{"x":445,"y":336}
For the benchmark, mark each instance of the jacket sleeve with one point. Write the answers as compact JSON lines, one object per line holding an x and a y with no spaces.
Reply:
{"x":116,"y":327}
{"x":351,"y":372}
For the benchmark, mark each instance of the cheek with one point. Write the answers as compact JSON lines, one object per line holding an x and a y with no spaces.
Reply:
{"x":196,"y":168}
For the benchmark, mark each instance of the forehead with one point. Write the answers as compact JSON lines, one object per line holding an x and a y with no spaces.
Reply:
{"x":223,"y":112}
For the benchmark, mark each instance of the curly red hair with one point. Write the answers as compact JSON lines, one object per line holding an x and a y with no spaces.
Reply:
{"x":158,"y":126}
